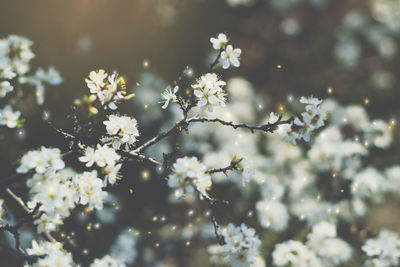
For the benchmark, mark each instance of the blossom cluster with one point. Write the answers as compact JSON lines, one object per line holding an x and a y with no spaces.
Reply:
{"x":209,"y":91}
{"x":41,"y":160}
{"x":109,"y":88}
{"x":8,"y":117}
{"x":55,"y":254}
{"x":15,"y":58}
{"x":106,"y":158}
{"x":121,"y":130}
{"x":322,"y":248}
{"x":229,"y":55}
{"x":58,"y":192}
{"x":189,"y":174}
{"x":304,"y":126}
{"x":384,"y":250}
{"x":241,"y":244}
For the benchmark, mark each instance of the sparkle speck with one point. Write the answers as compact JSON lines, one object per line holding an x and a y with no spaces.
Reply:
{"x":187,"y":243}
{"x":279,"y":66}
{"x":46,"y":115}
{"x":85,"y":251}
{"x":366,"y":101}
{"x":145,"y":175}
{"x":146,"y":64}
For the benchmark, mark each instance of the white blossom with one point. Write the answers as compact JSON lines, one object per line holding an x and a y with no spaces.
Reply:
{"x":241,"y":244}
{"x":90,"y":190}
{"x":230,"y":57}
{"x":41,"y":160}
{"x":107,"y":261}
{"x":9,"y":117}
{"x":384,"y":250}
{"x":189,"y":172}
{"x":124,"y":247}
{"x":122,"y":130}
{"x":109,"y":89}
{"x":102,"y":156}
{"x":296,"y":254}
{"x":5,"y":88}
{"x":219,"y":42}
{"x":209,"y":91}
{"x":55,"y":254}
{"x":272,"y":215}
{"x":169,"y":95}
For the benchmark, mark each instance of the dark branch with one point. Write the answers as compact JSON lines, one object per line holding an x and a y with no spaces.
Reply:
{"x":215,"y":62}
{"x":268,"y":127}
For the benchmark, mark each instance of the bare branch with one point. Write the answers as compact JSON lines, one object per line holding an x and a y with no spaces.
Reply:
{"x":268,"y":127}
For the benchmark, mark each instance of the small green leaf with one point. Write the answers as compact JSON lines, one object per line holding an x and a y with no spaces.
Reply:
{"x":20,"y":123}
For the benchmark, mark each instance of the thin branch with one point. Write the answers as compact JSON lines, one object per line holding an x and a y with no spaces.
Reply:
{"x":213,"y":64}
{"x":233,"y":166}
{"x":213,"y":205}
{"x":268,"y":127}
{"x":179,"y":126}
{"x":27,"y":211}
{"x":18,"y":200}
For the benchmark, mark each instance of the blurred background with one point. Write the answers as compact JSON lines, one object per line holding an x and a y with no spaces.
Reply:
{"x":347,"y":49}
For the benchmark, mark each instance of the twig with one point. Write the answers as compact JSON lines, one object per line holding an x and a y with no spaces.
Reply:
{"x":268,"y":127}
{"x":213,"y":64}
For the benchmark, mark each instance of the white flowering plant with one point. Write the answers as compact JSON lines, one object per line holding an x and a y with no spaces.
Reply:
{"x":285,"y":188}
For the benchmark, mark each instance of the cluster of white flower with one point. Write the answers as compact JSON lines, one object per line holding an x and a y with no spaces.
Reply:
{"x":41,"y":76}
{"x":209,"y":91}
{"x":41,"y":160}
{"x":89,"y":190}
{"x":58,"y":192}
{"x":384,"y":250}
{"x":323,"y":248}
{"x":272,"y":214}
{"x":55,"y":192}
{"x":168,"y":96}
{"x":104,"y":157}
{"x":124,"y":247}
{"x":109,"y":88}
{"x":229,"y":55}
{"x":121,"y":130}
{"x":189,"y":172}
{"x":310,"y":120}
{"x":5,"y":88}
{"x":55,"y":254}
{"x":241,"y":244}
{"x":9,"y":117}
{"x":15,"y":57}
{"x":107,"y":261}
